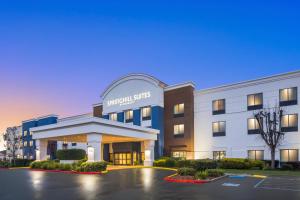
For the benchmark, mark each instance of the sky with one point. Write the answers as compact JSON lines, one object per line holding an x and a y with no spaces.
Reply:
{"x":58,"y":56}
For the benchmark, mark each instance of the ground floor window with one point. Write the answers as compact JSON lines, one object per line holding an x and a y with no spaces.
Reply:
{"x":218,"y":155}
{"x":256,"y":154}
{"x":179,"y":154}
{"x":122,"y":158}
{"x":289,"y":155}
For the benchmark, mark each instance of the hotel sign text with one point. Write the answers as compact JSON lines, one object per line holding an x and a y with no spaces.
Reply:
{"x":129,"y":99}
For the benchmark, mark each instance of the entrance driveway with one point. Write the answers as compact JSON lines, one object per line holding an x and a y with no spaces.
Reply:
{"x":144,"y":183}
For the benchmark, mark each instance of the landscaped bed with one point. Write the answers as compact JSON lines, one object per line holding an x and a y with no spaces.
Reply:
{"x":79,"y":167}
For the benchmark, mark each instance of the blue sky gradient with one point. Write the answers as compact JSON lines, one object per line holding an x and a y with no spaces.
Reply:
{"x":58,"y":56}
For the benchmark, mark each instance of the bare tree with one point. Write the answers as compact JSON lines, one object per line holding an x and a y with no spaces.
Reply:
{"x":269,"y":121}
{"x":12,"y":142}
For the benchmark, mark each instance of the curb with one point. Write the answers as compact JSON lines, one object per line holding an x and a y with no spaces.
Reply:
{"x":67,"y":172}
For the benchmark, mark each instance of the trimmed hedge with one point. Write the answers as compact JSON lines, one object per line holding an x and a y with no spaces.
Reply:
{"x":165,"y":162}
{"x":4,"y":164}
{"x":22,"y":162}
{"x":203,"y":164}
{"x":71,"y":154}
{"x":93,"y":166}
{"x":186,"y":171}
{"x":81,"y":166}
{"x":240,"y":163}
{"x":201,"y":175}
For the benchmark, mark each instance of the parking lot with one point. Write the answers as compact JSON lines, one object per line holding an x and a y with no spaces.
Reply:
{"x":144,"y":183}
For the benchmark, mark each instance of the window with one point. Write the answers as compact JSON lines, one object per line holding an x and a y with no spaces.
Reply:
{"x":25,"y":133}
{"x":289,"y":155}
{"x":288,"y":96}
{"x":74,"y":144}
{"x":65,"y":145}
{"x":179,"y":110}
{"x":146,"y":113}
{"x":218,"y":155}
{"x":218,"y":106}
{"x":289,"y":123}
{"x":255,"y":101}
{"x":219,"y":129}
{"x":25,"y":143}
{"x":31,"y":143}
{"x":179,"y":130}
{"x":256,"y":154}
{"x":30,"y":133}
{"x":113,"y":116}
{"x":129,"y":116}
{"x":179,"y":154}
{"x":253,"y":126}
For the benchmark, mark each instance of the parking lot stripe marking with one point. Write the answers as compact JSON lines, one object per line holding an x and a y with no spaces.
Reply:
{"x":230,"y":185}
{"x":260,"y":182}
{"x":283,"y":189}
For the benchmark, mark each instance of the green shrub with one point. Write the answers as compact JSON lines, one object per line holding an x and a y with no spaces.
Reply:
{"x":203,"y":164}
{"x":241,"y":163}
{"x":234,"y":163}
{"x":65,"y":167}
{"x":184,"y":163}
{"x":201,"y":175}
{"x":287,"y":167}
{"x":215,"y":172}
{"x":5,"y":164}
{"x":21,"y":162}
{"x":93,"y":166}
{"x":165,"y":162}
{"x":71,"y":154}
{"x":186,"y":171}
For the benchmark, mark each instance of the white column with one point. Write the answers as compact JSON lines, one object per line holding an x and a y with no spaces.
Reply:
{"x":149,"y":152}
{"x":94,"y":147}
{"x":41,"y":149}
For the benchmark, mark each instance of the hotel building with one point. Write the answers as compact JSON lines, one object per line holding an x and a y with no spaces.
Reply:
{"x":140,"y":118}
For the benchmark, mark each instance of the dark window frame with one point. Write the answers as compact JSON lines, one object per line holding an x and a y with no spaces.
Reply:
{"x":288,"y":102}
{"x":289,"y":155}
{"x":128,"y":120}
{"x":177,"y":115}
{"x":252,"y":131}
{"x":255,"y":151}
{"x":290,"y":128}
{"x":218,"y":112}
{"x":220,"y":133}
{"x":258,"y":106}
{"x":147,"y":117}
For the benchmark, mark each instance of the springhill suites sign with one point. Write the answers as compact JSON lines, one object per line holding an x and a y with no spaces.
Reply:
{"x":129,"y":99}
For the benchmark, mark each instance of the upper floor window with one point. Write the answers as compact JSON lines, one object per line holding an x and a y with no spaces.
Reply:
{"x":25,"y":133}
{"x":129,"y":116}
{"x":31,"y":143}
{"x":146,"y":113}
{"x":255,"y":101}
{"x":256,"y":154}
{"x":218,"y":106}
{"x":219,"y":155}
{"x":289,"y":123}
{"x":113,"y":116}
{"x":25,"y":143}
{"x":288,"y":96}
{"x":179,"y":110}
{"x":219,"y":128}
{"x":253,"y":126}
{"x":178,"y":130}
{"x":289,"y":155}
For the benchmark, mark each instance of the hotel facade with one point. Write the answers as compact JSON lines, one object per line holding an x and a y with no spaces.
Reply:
{"x":140,"y":118}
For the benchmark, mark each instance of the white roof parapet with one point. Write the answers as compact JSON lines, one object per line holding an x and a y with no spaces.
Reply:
{"x":92,"y":124}
{"x":176,"y":86}
{"x":75,"y":117}
{"x":248,"y":83}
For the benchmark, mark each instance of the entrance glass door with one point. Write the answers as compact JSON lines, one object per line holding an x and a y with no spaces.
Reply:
{"x":122,"y":158}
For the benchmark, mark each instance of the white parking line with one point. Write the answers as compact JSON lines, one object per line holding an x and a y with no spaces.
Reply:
{"x":260,"y":182}
{"x":283,"y":189}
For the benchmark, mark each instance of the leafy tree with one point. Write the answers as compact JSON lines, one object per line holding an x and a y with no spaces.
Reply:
{"x":269,"y":121}
{"x":12,"y":140}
